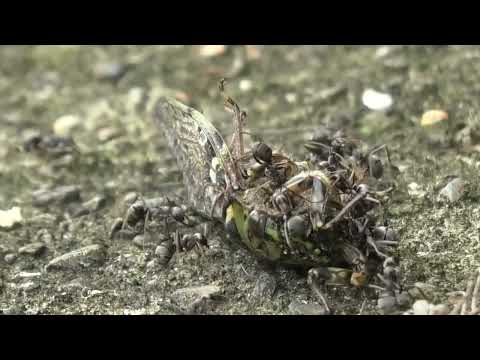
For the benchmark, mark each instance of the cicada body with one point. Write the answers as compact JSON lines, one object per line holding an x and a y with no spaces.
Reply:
{"x":272,"y":218}
{"x":315,"y":214}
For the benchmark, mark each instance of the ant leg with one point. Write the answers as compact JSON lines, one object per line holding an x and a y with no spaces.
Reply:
{"x":372,"y":243}
{"x":316,"y":275}
{"x":239,"y":118}
{"x":285,"y":233}
{"x":385,"y":148}
{"x":324,"y":276}
{"x":362,"y":193}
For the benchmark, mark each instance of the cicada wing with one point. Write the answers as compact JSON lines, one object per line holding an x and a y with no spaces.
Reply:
{"x":199,"y":149}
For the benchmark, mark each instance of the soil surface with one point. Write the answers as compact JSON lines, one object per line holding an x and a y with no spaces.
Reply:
{"x":102,"y":97}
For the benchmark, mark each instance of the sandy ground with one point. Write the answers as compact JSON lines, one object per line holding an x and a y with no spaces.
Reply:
{"x":102,"y":95}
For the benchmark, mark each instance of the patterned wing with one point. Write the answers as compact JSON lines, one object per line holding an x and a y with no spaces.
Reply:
{"x":200,"y":151}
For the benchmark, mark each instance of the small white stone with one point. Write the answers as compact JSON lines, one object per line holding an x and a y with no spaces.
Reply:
{"x":383,"y":51}
{"x":376,"y":101}
{"x":453,"y":191}
{"x":10,"y":218}
{"x":65,"y":125}
{"x":95,"y":292}
{"x":291,"y":98}
{"x":108,"y":70}
{"x":440,"y":309}
{"x":421,"y":307}
{"x":209,"y":51}
{"x":10,"y":258}
{"x":27,"y":286}
{"x":25,"y":275}
{"x":416,"y":190}
{"x":206,"y":291}
{"x":245,"y":85}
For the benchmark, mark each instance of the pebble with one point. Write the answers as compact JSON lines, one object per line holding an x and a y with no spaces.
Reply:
{"x":156,"y":202}
{"x":253,"y":52}
{"x":129,"y":199}
{"x":196,"y":299}
{"x":10,"y":258}
{"x":300,"y":308}
{"x":291,"y":97}
{"x":453,"y":191}
{"x":404,"y":300}
{"x":387,"y":304}
{"x":136,"y":100}
{"x":376,"y":101}
{"x":161,"y":251}
{"x":66,"y":125}
{"x":10,"y":218}
{"x":107,"y":133}
{"x":92,"y":255}
{"x":28,"y":286}
{"x":95,"y":203}
{"x":33,"y":249}
{"x":396,"y":63}
{"x":440,"y":309}
{"x":422,"y":291}
{"x":26,"y":275}
{"x":62,"y":194}
{"x":110,"y":71}
{"x":245,"y":85}
{"x":78,"y":210}
{"x":421,"y":307}
{"x":433,"y":117}
{"x":416,"y":190}
{"x":383,"y":51}
{"x":209,"y":51}
{"x":207,"y":291}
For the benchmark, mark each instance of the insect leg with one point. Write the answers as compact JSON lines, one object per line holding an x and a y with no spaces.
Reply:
{"x":362,"y":193}
{"x":318,"y":204}
{"x":239,"y":118}
{"x":372,"y":243}
{"x":315,"y":276}
{"x":285,"y":233}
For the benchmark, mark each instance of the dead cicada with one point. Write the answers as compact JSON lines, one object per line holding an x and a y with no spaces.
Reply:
{"x":316,"y":215}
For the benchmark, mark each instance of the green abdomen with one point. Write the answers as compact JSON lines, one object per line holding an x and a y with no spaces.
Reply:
{"x":271,"y":245}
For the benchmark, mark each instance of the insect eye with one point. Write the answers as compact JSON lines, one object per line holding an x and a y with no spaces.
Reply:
{"x":262,"y":153}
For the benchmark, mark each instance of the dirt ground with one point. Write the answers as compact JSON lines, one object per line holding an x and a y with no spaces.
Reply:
{"x":102,"y":96}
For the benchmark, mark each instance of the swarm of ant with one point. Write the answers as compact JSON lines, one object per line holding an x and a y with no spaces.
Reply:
{"x":329,"y":201}
{"x":321,"y":214}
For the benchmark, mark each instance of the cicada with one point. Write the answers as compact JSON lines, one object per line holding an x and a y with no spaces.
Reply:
{"x":283,"y":211}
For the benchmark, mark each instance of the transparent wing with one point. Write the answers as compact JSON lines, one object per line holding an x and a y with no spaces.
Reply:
{"x":200,"y":151}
